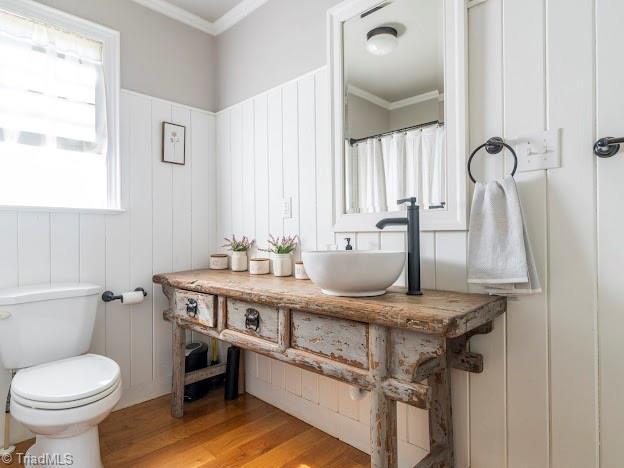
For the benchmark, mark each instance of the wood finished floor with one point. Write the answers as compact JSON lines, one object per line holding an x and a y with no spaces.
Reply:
{"x":214,"y":433}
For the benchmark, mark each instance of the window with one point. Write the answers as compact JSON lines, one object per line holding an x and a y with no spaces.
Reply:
{"x":59,"y":88}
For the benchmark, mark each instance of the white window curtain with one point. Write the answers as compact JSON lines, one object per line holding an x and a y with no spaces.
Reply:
{"x":378,"y":172}
{"x":52,"y":91}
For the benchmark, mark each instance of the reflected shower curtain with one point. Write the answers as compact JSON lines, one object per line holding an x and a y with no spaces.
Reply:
{"x":378,"y":172}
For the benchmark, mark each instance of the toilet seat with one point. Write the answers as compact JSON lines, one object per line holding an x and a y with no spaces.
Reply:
{"x":69,"y":383}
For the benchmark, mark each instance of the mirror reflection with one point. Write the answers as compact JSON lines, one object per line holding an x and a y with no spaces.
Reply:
{"x":394,"y":107}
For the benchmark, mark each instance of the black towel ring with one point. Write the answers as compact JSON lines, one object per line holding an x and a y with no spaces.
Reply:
{"x":493,"y":146}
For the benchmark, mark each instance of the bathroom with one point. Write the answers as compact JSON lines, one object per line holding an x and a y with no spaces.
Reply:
{"x":252,"y":89}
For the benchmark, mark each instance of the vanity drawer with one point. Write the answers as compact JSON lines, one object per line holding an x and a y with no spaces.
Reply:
{"x":340,"y":340}
{"x":253,"y":319}
{"x":198,"y":307}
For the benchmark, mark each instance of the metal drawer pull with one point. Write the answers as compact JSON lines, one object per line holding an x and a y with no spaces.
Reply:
{"x":191,"y":307}
{"x":252,"y":319}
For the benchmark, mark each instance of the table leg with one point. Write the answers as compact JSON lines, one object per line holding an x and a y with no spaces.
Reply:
{"x":440,"y":423}
{"x":241,"y":372}
{"x":383,"y":425}
{"x":177,"y":391}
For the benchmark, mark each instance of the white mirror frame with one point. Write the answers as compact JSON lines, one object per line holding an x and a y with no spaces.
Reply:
{"x":454,"y":216}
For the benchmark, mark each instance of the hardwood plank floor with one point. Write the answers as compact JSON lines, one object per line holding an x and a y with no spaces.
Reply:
{"x":215,"y":433}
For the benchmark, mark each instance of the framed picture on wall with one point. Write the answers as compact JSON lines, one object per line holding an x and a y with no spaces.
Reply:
{"x":174,"y":143}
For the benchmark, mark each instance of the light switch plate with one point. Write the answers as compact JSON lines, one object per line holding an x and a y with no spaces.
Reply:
{"x":286,"y":208}
{"x":538,"y":151}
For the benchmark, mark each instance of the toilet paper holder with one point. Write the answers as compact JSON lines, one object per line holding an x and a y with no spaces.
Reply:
{"x":108,"y":296}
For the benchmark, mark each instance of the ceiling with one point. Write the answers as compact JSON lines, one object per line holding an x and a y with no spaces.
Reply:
{"x":415,"y":67}
{"x":210,"y":10}
{"x":210,"y":16}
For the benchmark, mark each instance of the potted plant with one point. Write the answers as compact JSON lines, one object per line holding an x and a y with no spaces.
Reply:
{"x":281,"y":250}
{"x":239,"y":250}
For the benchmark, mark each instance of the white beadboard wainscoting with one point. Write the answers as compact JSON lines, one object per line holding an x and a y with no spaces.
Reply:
{"x":168,"y":224}
{"x":536,"y":403}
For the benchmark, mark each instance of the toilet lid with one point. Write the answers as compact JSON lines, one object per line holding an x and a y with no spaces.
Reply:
{"x":75,"y":378}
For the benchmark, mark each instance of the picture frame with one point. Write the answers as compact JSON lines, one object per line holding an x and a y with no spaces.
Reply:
{"x":173,"y":143}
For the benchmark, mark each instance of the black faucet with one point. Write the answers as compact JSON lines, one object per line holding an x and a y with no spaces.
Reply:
{"x":413,"y":243}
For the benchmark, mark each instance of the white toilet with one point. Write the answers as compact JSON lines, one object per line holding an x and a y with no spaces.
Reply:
{"x":59,"y":393}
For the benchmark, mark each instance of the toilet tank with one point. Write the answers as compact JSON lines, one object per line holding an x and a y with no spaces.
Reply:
{"x":46,"y":322}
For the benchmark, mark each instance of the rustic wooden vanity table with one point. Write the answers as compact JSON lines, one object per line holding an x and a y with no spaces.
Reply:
{"x":398,"y":347}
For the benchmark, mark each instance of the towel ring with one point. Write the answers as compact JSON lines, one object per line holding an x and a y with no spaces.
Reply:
{"x":493,"y":146}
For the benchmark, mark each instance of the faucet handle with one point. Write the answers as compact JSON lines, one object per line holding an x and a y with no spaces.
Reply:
{"x":413,"y":201}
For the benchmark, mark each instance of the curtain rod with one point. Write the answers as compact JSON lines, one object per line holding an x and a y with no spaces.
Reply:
{"x":353,"y":141}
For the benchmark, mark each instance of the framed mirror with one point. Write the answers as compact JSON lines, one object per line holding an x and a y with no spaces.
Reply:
{"x":399,"y":87}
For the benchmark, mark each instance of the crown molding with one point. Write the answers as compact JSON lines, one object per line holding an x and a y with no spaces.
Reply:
{"x":370,"y":97}
{"x":381,"y":102}
{"x":222,"y":24}
{"x":236,"y":14}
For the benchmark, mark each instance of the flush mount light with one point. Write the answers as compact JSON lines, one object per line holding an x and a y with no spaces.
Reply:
{"x":381,"y":40}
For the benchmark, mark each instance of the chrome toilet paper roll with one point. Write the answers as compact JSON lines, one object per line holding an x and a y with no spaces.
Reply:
{"x":132,"y":297}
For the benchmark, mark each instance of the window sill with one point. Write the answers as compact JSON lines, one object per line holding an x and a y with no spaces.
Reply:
{"x":59,"y":209}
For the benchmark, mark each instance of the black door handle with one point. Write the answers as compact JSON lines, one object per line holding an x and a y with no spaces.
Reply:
{"x":607,"y":147}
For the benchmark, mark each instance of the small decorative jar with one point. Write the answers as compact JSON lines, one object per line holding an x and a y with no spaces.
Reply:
{"x":218,"y":262}
{"x":239,"y":261}
{"x":259,"y":266}
{"x":300,"y":272}
{"x":282,"y":264}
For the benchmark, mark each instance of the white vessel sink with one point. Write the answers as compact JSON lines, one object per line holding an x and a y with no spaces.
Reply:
{"x":354,"y":273}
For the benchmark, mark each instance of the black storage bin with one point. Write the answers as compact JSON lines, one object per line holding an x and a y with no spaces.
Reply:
{"x":197,"y":359}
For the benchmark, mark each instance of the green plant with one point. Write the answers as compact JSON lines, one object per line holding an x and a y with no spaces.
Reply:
{"x":234,"y":245}
{"x":283,"y":245}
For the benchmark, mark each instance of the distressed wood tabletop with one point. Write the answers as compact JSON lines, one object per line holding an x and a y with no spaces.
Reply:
{"x":441,"y":313}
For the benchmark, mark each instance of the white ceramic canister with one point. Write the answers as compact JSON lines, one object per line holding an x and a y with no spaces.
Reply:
{"x":218,"y":262}
{"x":300,"y":272}
{"x":282,"y":264}
{"x":259,"y":266}
{"x":239,"y":261}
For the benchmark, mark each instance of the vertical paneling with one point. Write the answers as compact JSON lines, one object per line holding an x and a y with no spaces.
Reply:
{"x":307,"y":161}
{"x":610,"y":320}
{"x":236,"y":156}
{"x":246,"y":172}
{"x":93,"y":269}
{"x":261,"y":166}
{"x":141,"y":218}
{"x":486,"y":396}
{"x":290,"y":160}
{"x":118,"y":333}
{"x":527,"y":320}
{"x":276,"y":167}
{"x":64,"y":247}
{"x":33,"y":232}
{"x":162,"y":236}
{"x":181,"y":196}
{"x":324,"y":179}
{"x":8,"y":249}
{"x":224,"y":177}
{"x":203,"y":195}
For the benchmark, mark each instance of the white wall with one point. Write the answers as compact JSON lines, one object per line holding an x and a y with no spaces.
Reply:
{"x":168,"y":225}
{"x":535,"y":405}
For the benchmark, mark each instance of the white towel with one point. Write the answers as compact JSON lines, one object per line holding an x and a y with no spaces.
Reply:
{"x":499,"y":251}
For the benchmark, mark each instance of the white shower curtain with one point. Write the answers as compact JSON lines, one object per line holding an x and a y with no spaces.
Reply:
{"x":378,"y":172}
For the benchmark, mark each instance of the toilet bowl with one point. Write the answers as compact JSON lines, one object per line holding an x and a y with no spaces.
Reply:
{"x":62,"y":403}
{"x":59,"y":393}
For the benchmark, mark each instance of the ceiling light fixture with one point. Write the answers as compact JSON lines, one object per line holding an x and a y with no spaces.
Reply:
{"x":381,"y":40}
